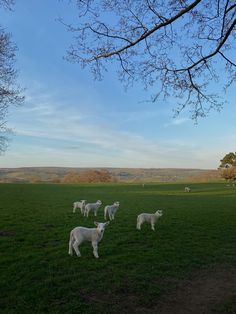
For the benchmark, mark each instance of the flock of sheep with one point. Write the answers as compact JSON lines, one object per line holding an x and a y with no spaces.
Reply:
{"x":94,"y":235}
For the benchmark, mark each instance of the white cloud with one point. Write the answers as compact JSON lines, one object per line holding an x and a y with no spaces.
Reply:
{"x":54,"y":132}
{"x":177,"y":121}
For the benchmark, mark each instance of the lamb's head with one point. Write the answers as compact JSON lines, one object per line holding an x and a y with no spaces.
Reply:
{"x":101,"y":225}
{"x":159,"y":212}
{"x":83,"y":202}
{"x":99,"y":202}
{"x":117,"y":203}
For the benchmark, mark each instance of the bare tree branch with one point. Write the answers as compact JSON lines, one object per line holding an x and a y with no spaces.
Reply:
{"x":7,"y":4}
{"x":147,"y":33}
{"x":10,"y":93}
{"x":227,"y":59}
{"x":179,"y":47}
{"x":217,"y":49}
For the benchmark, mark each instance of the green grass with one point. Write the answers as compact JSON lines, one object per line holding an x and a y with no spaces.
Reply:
{"x":196,"y":231}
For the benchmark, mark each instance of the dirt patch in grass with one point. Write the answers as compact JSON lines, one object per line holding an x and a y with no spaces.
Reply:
{"x":111,"y":303}
{"x":203,"y":292}
{"x":48,"y":226}
{"x":7,"y":233}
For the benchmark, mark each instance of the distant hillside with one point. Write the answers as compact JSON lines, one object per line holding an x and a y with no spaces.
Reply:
{"x":56,"y":174}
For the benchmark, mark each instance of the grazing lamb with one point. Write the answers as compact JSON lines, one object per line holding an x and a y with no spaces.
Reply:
{"x":92,"y":206}
{"x":80,"y":204}
{"x":111,"y":210}
{"x":81,"y":234}
{"x":187,"y":189}
{"x":151,"y":218}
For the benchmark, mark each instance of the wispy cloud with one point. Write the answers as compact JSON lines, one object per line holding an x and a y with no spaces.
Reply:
{"x":58,"y":132}
{"x":177,"y":121}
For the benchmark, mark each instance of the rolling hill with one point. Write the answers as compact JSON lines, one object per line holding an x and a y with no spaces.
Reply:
{"x":56,"y":174}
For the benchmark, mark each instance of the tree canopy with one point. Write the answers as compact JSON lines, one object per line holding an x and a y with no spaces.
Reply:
{"x":229,"y":160}
{"x":228,"y":167}
{"x":88,"y":176}
{"x":183,"y":49}
{"x":10,"y":93}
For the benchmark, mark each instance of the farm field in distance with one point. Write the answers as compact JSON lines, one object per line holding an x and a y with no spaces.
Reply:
{"x":189,"y":261}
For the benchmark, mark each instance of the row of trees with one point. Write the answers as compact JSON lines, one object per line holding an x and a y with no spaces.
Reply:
{"x":88,"y":176}
{"x":227,"y":170}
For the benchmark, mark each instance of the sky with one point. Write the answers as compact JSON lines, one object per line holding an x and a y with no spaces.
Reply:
{"x":70,"y":120}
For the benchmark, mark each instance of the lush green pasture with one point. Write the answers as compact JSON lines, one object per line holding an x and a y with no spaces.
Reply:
{"x":135,"y":268}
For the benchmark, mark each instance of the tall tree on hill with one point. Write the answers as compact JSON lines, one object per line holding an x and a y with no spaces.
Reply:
{"x":228,"y":167}
{"x":182,"y":48}
{"x":10,"y":93}
{"x":229,"y":160}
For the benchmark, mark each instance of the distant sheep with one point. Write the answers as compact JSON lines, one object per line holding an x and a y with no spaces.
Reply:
{"x":187,"y":189}
{"x":80,"y":234}
{"x":80,"y":204}
{"x":92,"y":207}
{"x":111,"y":210}
{"x":150,"y":218}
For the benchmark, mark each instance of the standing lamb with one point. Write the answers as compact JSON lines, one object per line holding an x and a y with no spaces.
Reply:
{"x":92,"y":206}
{"x":150,"y":218}
{"x":187,"y":189}
{"x":111,"y":210}
{"x":80,"y":204}
{"x":80,"y":234}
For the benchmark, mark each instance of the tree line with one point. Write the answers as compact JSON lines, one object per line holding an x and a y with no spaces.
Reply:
{"x":88,"y":176}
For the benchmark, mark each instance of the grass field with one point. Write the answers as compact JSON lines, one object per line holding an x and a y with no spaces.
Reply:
{"x":136,"y":269}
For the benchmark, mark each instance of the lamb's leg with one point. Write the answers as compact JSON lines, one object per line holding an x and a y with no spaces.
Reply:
{"x":76,"y":247}
{"x":74,"y":208}
{"x":95,"y":212}
{"x":95,"y":249}
{"x":153,"y":226}
{"x":138,"y":224}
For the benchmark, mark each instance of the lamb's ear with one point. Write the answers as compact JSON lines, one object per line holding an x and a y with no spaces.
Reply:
{"x":107,"y":223}
{"x":96,"y":223}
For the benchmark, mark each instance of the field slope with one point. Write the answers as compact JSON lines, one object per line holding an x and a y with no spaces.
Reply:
{"x":188,"y":265}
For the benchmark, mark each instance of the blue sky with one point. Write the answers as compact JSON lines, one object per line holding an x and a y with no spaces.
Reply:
{"x":68,"y":119}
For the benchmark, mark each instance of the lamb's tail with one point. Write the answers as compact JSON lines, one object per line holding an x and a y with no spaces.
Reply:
{"x":71,"y":241}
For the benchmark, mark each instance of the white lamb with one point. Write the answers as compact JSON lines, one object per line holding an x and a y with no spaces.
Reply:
{"x":150,"y":218}
{"x":187,"y":189}
{"x":81,"y":234}
{"x":80,"y":204}
{"x":111,"y":210}
{"x":92,"y":206}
